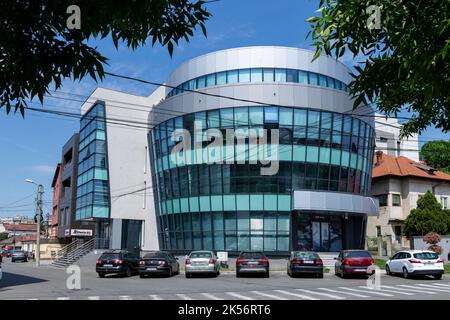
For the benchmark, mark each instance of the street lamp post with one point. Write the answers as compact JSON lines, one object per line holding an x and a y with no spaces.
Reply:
{"x":40,"y":191}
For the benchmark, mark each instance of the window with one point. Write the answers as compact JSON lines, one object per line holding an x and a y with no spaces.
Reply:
{"x":444,"y":203}
{"x":303,"y":77}
{"x":291,"y":75}
{"x":244,"y":75}
{"x":232,"y":76}
{"x":382,"y":198}
{"x":280,"y":75}
{"x":257,"y":75}
{"x":221,"y":78}
{"x":211,"y":80}
{"x":268,"y":75}
{"x":396,"y":200}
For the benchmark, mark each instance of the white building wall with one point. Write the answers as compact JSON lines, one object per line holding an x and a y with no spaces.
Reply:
{"x":128,"y":162}
{"x":388,"y":139}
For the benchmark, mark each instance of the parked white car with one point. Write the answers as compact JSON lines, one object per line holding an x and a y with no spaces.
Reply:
{"x":415,"y":262}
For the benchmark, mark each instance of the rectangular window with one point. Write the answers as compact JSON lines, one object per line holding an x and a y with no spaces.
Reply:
{"x":211,"y":80}
{"x":382,"y":198}
{"x":270,"y":115}
{"x":323,"y":80}
{"x":200,"y":82}
{"x":291,"y":75}
{"x":221,"y":78}
{"x":286,"y":116}
{"x":232,"y":76}
{"x":314,"y":78}
{"x":241,"y":116}
{"x":244,"y":75}
{"x":257,"y":75}
{"x":280,"y":75}
{"x":256,"y":116}
{"x":396,"y":200}
{"x":303,"y":77}
{"x":444,"y":203}
{"x":268,"y":75}
{"x":331,"y":83}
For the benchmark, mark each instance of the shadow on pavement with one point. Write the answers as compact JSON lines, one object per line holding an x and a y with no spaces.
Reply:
{"x":14,"y":279}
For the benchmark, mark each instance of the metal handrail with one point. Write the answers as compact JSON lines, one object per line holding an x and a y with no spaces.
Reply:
{"x":77,"y":249}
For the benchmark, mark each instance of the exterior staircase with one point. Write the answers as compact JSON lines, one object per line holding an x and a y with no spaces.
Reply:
{"x":328,"y":259}
{"x":76,"y":250}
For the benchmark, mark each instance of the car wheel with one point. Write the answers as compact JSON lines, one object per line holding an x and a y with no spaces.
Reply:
{"x":405,"y":273}
{"x":238,"y":275}
{"x":343,"y":275}
{"x":188,"y":275}
{"x":128,"y":272}
{"x":438,"y":276}
{"x":388,"y":271}
{"x":141,"y":275}
{"x":320,"y":275}
{"x":101,"y":275}
{"x":267,"y":275}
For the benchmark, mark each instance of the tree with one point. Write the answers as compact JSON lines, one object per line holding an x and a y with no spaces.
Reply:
{"x":437,"y":155}
{"x":405,"y":50}
{"x":41,"y":44}
{"x":427,"y":217}
{"x":3,"y":236}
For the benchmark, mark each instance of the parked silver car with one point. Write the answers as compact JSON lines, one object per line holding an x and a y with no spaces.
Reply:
{"x":202,"y":262}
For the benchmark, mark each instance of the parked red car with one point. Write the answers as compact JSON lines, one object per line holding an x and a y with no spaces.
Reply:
{"x":354,"y":262}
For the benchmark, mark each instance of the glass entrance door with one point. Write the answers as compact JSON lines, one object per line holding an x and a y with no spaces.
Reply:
{"x":321,"y":236}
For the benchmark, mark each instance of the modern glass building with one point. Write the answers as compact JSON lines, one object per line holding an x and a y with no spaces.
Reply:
{"x":319,"y":197}
{"x":93,"y":196}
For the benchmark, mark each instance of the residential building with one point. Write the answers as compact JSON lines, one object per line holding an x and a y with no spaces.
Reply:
{"x":19,"y":229}
{"x":69,"y":227}
{"x":318,"y":197}
{"x":56,"y":189}
{"x":388,"y":140}
{"x":398,"y":182}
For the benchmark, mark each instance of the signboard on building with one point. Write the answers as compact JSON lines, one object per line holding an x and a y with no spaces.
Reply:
{"x":81,"y":232}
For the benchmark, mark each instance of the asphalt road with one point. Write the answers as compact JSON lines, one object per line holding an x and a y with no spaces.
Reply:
{"x":24,"y":281}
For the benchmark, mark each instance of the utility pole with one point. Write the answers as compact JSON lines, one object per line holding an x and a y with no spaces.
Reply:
{"x":38,"y":226}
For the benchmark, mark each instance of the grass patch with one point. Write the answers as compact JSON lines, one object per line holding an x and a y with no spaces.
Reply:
{"x":447,"y":268}
{"x":380,"y":263}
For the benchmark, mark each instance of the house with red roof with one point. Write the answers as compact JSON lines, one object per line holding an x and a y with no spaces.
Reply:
{"x":398,"y":182}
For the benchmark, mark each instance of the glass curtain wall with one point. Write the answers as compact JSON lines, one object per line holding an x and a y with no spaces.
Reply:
{"x":231,"y":206}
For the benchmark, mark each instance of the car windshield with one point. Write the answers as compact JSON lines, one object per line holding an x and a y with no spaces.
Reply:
{"x":155,"y":255}
{"x":356,"y":254}
{"x":194,"y":255}
{"x":18,"y":252}
{"x":252,"y":255}
{"x":425,"y":255}
{"x":110,"y":256}
{"x":305,"y":255}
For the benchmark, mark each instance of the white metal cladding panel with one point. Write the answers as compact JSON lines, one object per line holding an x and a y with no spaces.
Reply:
{"x":256,"y":57}
{"x":334,"y":202}
{"x":295,"y":95}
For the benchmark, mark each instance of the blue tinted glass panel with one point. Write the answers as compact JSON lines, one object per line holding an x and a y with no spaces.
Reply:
{"x":244,"y":75}
{"x":303,"y":77}
{"x":280,"y":75}
{"x":257,"y":75}
{"x":211,"y":80}
{"x":232,"y":76}
{"x":268,"y":74}
{"x":270,"y":115}
{"x":221,"y":78}
{"x":314,"y":78}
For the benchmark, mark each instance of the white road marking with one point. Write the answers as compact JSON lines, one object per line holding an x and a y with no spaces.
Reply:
{"x":433,"y":287}
{"x":155,"y":297}
{"x":349,"y":293}
{"x":409,"y":290}
{"x":63,"y":298}
{"x":441,"y":284}
{"x":211,"y":296}
{"x":366,"y":291}
{"x":296,"y":295}
{"x":415,"y":287}
{"x":183,"y":296}
{"x":33,"y":299}
{"x":391,"y":291}
{"x":239,"y":296}
{"x":322,"y":294}
{"x":125,"y":298}
{"x":271,"y":296}
{"x":94,"y":298}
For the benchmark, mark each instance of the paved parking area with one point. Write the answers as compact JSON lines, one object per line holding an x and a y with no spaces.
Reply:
{"x":24,"y":281}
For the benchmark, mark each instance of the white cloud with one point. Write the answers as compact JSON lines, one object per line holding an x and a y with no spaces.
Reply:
{"x":43,"y":168}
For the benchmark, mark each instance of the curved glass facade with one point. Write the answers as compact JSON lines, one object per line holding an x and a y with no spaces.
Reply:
{"x":231,"y":206}
{"x":259,"y":75}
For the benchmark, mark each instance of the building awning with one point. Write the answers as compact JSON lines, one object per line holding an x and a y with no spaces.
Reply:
{"x":308,"y":200}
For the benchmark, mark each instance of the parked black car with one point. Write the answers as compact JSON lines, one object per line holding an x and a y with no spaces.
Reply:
{"x":158,"y":262}
{"x":305,"y":262}
{"x":117,"y":262}
{"x":19,"y":255}
{"x":252,"y":262}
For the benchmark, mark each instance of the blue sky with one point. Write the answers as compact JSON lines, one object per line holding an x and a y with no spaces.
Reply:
{"x":31,"y":147}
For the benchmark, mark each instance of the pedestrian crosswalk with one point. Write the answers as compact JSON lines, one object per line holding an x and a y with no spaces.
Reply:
{"x":392,"y":291}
